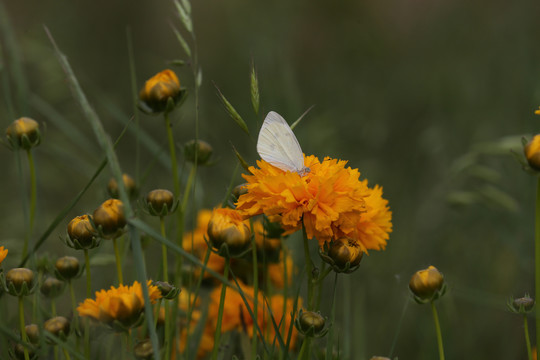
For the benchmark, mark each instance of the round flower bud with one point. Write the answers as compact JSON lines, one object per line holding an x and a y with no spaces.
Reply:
{"x":167,"y":290}
{"x":20,"y":281}
{"x":240,"y":190}
{"x":129,"y":185}
{"x":18,"y":351}
{"x":58,"y":326}
{"x":81,"y":233}
{"x":311,"y":323}
{"x":159,"y":91}
{"x":143,"y":350}
{"x":23,"y":133}
{"x":160,"y":202}
{"x":32,"y":331}
{"x":532,"y":152}
{"x":522,"y":305}
{"x":202,"y":148}
{"x":427,"y":284}
{"x":52,"y":287}
{"x":109,"y":218}
{"x":344,"y":255}
{"x":226,"y":227}
{"x":67,"y":267}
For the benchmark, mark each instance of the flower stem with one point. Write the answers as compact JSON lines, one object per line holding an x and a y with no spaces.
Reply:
{"x":172,"y":151}
{"x":254,"y":339}
{"x":527,"y":338}
{"x":33,"y":197}
{"x":309,"y":268}
{"x":74,"y":306}
{"x":330,"y":341}
{"x":304,"y":354}
{"x":88,"y":295}
{"x":66,"y":354}
{"x":537,"y":260}
{"x":118,"y":262}
{"x":23,"y":329}
{"x":164,"y":251}
{"x":217,"y":336}
{"x":438,"y":330}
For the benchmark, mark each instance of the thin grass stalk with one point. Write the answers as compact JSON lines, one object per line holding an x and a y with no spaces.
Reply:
{"x":24,"y":338}
{"x":88,"y":295}
{"x":537,"y":261}
{"x":118,"y":261}
{"x":74,"y":306}
{"x":66,"y":354}
{"x":527,"y":338}
{"x":217,"y":336}
{"x":330,"y":340}
{"x":167,"y":338}
{"x":398,"y":327}
{"x":33,"y":198}
{"x":438,"y":331}
{"x":133,"y":78}
{"x":309,"y":268}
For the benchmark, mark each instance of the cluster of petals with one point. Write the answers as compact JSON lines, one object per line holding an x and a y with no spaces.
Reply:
{"x":3,"y":253}
{"x":123,"y":304}
{"x":330,"y":201}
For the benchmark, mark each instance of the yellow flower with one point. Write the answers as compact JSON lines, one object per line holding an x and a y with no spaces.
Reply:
{"x":330,"y":201}
{"x":23,"y":133}
{"x":532,"y":152}
{"x":158,"y":90}
{"x":194,"y":242}
{"x":226,"y":226}
{"x":3,"y":254}
{"x":124,"y":304}
{"x":427,"y":284}
{"x":109,"y":218}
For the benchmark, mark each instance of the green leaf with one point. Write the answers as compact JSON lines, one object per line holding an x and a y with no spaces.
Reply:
{"x":232,"y":111}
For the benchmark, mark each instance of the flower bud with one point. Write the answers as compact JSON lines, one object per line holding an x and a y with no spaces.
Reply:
{"x":81,"y":233}
{"x":160,"y":91}
{"x":240,"y":190}
{"x":226,"y":227}
{"x":20,"y":281}
{"x":522,"y":305}
{"x":52,"y":287}
{"x":3,"y":254}
{"x":67,"y":267}
{"x":311,"y":323}
{"x":202,"y":148}
{"x":160,"y":202}
{"x":109,"y":218}
{"x":129,"y":185}
{"x":344,"y":255}
{"x":32,"y":331}
{"x":167,"y":290}
{"x":427,"y":285}
{"x":143,"y":350}
{"x":18,"y":351}
{"x":58,"y":326}
{"x":532,"y":152}
{"x":23,"y":133}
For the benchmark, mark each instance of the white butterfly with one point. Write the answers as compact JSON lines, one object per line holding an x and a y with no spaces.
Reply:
{"x":278,"y":146}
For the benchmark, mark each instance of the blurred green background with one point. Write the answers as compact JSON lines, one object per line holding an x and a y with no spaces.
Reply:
{"x":426,"y":98}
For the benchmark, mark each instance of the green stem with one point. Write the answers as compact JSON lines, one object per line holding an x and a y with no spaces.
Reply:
{"x":330,"y":341}
{"x":191,"y":177}
{"x":33,"y":197}
{"x":527,"y":338}
{"x":172,"y":150}
{"x":88,"y":295}
{"x":66,"y":354}
{"x":22,"y":325}
{"x":74,"y":306}
{"x":254,"y":339}
{"x":164,"y":251}
{"x":438,"y":330}
{"x":118,"y":262}
{"x":217,"y":335}
{"x":309,"y":269}
{"x":305,"y":349}
{"x":537,"y":260}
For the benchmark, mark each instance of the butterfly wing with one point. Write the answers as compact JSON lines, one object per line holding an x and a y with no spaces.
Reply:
{"x":277,"y":144}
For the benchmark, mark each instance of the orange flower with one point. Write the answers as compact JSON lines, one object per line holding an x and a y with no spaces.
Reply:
{"x":276,"y":272}
{"x":158,"y":89}
{"x":330,"y":201}
{"x":226,"y":226}
{"x":124,"y":304}
{"x":236,"y":317}
{"x":194,"y":242}
{"x":3,"y":254}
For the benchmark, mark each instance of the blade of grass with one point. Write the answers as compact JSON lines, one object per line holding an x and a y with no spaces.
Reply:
{"x":107,"y":145}
{"x":232,"y":111}
{"x":301,"y":117}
